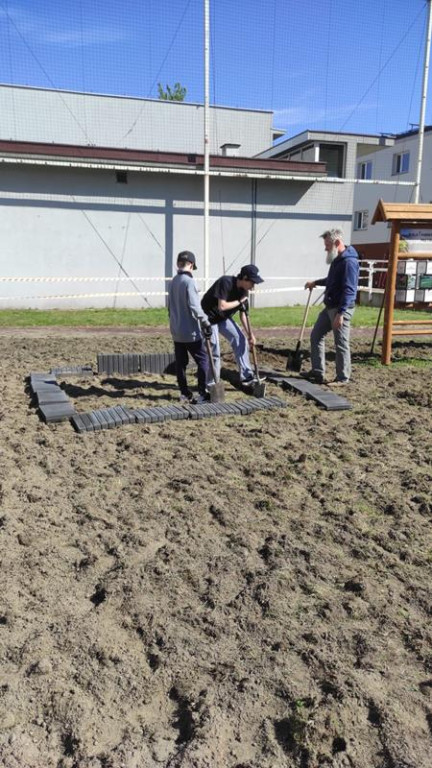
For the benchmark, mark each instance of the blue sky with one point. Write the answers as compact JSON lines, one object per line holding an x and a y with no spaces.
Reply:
{"x":353,"y":65}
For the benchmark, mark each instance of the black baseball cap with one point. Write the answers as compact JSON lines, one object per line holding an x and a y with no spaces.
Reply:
{"x":250,"y":272}
{"x":187,"y":256}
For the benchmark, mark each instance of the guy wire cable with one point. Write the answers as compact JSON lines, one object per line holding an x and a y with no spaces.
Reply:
{"x":122,"y":256}
{"x":96,"y":231}
{"x":128,"y":132}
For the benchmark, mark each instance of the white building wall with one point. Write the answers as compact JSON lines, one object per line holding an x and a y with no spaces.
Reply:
{"x":366,"y":196}
{"x":81,"y":223}
{"x":65,"y":117}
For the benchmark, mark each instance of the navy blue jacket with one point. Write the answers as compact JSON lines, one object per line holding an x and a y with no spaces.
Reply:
{"x":342,"y":281}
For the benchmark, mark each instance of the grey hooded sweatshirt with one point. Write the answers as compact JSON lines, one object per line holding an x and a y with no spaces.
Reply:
{"x":184,"y":309}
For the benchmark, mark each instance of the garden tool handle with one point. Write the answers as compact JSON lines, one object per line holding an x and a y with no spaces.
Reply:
{"x":210,"y":354}
{"x":306,"y":312}
{"x":251,"y":343}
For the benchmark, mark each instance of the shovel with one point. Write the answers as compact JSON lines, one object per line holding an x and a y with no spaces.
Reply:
{"x":216,"y":390}
{"x":295,"y":359}
{"x":258,"y":389}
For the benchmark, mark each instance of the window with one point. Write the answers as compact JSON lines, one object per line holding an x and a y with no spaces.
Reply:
{"x":334,"y":156}
{"x":364,"y":170}
{"x":401,"y":163}
{"x":121,"y":177}
{"x":361,"y":219}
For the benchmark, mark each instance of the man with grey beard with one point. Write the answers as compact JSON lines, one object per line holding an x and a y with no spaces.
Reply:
{"x":339,"y":300}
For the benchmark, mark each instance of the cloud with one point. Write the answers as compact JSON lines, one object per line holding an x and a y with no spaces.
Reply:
{"x":76,"y":37}
{"x":58,"y":31}
{"x":309,"y":115}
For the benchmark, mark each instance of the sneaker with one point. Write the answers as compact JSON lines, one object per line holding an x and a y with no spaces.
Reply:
{"x":249,"y":382}
{"x":187,"y":399}
{"x":205,"y":398}
{"x":338,"y":383}
{"x":315,"y":377}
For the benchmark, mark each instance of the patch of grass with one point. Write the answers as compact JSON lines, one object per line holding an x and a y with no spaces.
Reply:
{"x":266,"y":317}
{"x":89,"y":317}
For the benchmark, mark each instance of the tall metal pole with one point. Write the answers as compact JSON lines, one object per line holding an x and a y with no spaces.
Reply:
{"x":423,"y":105}
{"x":206,"y":144}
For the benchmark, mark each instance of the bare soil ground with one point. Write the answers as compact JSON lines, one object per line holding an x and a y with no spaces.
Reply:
{"x":230,"y":593}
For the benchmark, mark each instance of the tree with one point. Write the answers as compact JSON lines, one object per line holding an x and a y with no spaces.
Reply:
{"x":178,"y":93}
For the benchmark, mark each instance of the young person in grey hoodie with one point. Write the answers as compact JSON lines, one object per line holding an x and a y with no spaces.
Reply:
{"x":188,"y":324}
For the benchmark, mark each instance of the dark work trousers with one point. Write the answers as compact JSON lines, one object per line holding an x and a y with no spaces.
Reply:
{"x":199,"y":354}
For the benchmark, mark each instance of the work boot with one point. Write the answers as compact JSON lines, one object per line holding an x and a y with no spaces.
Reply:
{"x":313,"y":376}
{"x":338,"y":383}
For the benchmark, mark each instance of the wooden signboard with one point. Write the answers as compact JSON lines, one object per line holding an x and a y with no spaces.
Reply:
{"x":409,"y":220}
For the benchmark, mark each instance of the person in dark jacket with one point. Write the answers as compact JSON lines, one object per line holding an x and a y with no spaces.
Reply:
{"x":188,"y":325}
{"x":339,"y":300}
{"x":224,"y":298}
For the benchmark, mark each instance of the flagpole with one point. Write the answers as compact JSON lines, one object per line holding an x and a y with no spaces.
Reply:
{"x":423,"y":105}
{"x":206,"y":144}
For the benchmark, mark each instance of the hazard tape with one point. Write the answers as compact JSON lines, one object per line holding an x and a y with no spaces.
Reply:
{"x":152,"y":293}
{"x":111,"y":279}
{"x":122,"y":293}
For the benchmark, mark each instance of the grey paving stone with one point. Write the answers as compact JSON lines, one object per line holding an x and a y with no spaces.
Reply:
{"x":178,"y":413}
{"x":45,"y":396}
{"x":258,"y":403}
{"x":87,"y":421}
{"x":101,"y":419}
{"x":118,"y":421}
{"x":46,"y":376}
{"x":101,"y":363}
{"x":53,"y":412}
{"x":40,"y":382}
{"x":278,"y":402}
{"x":79,"y":423}
{"x":108,"y":418}
{"x":97,"y":426}
{"x":243,"y":407}
{"x":124,"y":414}
{"x":40,"y":386}
{"x":231,"y":409}
{"x":77,"y":370}
{"x":155,"y":414}
{"x":119,"y":364}
{"x":195,"y":412}
{"x":142,"y":416}
{"x":329,"y":400}
{"x":213,"y":407}
{"x":246,"y":406}
{"x":164,"y":414}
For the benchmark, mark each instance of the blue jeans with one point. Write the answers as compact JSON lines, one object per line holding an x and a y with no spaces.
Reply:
{"x":233,"y":334}
{"x":322,"y":327}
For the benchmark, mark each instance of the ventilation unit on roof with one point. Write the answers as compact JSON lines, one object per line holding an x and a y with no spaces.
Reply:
{"x":230,"y":150}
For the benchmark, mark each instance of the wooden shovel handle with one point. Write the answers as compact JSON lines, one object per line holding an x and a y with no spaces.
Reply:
{"x":306,"y":312}
{"x":210,"y":354}
{"x":251,"y":344}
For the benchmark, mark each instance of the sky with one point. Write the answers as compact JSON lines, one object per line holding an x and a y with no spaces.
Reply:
{"x":342,"y":65}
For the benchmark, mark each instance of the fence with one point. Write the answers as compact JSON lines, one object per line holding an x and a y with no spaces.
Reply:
{"x":372,"y":281}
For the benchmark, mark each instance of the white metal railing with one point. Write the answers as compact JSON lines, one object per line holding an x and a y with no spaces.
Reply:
{"x":368,"y":269}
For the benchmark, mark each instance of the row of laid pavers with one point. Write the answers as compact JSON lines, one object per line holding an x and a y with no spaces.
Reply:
{"x":126,"y":365}
{"x":109,"y":418}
